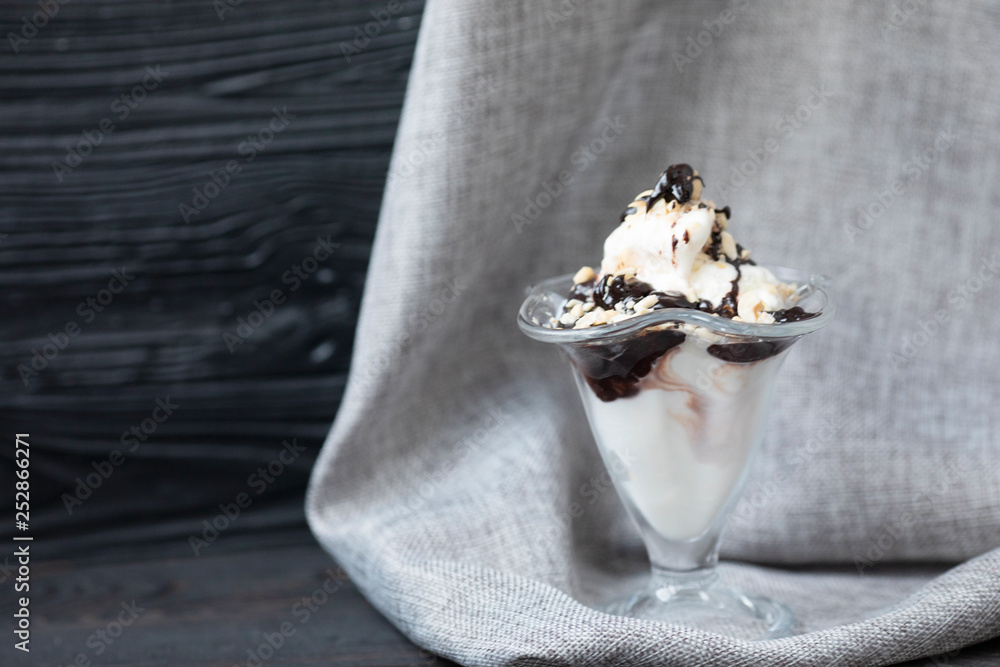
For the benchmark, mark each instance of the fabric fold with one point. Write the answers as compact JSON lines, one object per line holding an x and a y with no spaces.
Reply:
{"x":446,"y":485}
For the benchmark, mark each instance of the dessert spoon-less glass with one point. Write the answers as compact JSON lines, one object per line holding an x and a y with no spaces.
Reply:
{"x":677,"y":400}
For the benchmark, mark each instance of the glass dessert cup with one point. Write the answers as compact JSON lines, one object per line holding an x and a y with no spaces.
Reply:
{"x":677,"y":400}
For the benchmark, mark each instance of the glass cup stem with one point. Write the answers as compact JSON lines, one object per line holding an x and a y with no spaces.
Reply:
{"x":699,"y":555}
{"x":667,"y":584}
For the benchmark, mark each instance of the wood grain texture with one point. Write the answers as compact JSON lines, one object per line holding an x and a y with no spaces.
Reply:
{"x":210,"y":610}
{"x":200,"y":92}
{"x":284,"y":603}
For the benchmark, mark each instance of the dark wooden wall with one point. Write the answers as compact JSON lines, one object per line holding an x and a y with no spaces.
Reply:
{"x":118,"y":208}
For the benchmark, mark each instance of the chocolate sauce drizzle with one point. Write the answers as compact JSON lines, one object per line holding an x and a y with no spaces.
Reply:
{"x":793,"y":314}
{"x":675,"y":184}
{"x":613,"y":370}
{"x":748,"y":353}
{"x":607,"y":294}
{"x":727,"y":306}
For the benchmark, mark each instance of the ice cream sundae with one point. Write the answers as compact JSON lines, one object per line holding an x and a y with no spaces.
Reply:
{"x":682,"y":382}
{"x":675,"y":340}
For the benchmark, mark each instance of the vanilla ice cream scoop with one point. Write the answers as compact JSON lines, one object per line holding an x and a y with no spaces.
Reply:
{"x":672,"y":249}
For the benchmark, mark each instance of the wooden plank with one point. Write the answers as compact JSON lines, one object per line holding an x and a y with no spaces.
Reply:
{"x":119,"y":208}
{"x":210,"y":610}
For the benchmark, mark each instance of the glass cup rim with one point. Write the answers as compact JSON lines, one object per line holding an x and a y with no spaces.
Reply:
{"x":812,"y":288}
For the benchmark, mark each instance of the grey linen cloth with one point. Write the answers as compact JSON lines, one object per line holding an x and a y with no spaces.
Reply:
{"x":460,"y":486}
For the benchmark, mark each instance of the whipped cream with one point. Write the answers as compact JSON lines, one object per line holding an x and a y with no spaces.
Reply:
{"x":673,"y":242}
{"x":665,"y":247}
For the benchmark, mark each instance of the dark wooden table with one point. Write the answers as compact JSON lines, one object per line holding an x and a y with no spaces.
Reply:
{"x":276,"y":598}
{"x":273,"y":597}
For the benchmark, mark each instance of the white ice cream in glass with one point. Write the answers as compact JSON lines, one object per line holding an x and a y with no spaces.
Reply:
{"x":675,"y":341}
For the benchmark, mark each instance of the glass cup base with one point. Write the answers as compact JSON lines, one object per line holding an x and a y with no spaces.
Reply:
{"x":714,"y":608}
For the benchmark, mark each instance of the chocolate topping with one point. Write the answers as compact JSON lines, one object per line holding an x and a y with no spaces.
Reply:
{"x":583,"y":291}
{"x":727,"y":306}
{"x":608,"y":293}
{"x":675,"y":184}
{"x":613,"y":370}
{"x":714,"y":247}
{"x":793,"y":314}
{"x":747,"y":353}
